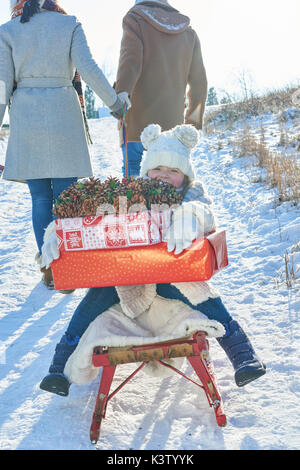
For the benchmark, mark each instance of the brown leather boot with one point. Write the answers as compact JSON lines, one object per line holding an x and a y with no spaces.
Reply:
{"x":47,"y":278}
{"x":66,"y":291}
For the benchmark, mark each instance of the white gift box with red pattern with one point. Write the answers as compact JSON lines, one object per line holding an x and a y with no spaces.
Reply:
{"x":110,"y":231}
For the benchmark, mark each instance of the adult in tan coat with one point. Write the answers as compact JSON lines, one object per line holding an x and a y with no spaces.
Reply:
{"x":160,"y":56}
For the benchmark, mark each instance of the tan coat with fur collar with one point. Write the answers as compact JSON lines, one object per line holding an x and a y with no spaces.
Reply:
{"x":160,"y":55}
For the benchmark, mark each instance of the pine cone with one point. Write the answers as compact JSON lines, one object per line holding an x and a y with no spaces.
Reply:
{"x":83,"y":198}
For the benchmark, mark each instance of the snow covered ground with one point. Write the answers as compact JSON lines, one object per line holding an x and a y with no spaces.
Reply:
{"x":153,"y":413}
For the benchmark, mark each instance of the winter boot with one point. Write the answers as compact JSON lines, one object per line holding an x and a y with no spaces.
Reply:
{"x":67,"y":291}
{"x":240,"y":352}
{"x":47,"y":278}
{"x":56,"y":381}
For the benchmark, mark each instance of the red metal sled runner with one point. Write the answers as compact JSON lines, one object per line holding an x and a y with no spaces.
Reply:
{"x":196,"y":351}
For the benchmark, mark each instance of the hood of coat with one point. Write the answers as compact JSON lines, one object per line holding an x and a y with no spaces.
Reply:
{"x":162,"y":16}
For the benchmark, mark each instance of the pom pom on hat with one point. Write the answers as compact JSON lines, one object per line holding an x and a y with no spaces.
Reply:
{"x":150,"y":134}
{"x":187,"y":135}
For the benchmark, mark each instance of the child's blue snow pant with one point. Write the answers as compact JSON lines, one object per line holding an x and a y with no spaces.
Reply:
{"x":99,"y":299}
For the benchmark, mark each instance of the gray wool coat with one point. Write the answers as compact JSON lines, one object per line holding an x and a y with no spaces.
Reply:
{"x":47,"y":135}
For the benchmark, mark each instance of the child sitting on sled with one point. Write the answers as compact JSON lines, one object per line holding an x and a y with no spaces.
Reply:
{"x":167,"y":157}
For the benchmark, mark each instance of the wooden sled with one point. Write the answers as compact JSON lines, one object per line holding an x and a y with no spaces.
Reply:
{"x":195,"y":350}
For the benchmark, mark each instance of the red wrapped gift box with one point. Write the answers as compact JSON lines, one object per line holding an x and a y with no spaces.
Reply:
{"x":124,"y":250}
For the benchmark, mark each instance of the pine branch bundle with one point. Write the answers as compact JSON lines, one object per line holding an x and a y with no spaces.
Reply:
{"x":91,"y":197}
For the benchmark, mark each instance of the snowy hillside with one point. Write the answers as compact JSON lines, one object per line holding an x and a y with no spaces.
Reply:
{"x":153,"y":413}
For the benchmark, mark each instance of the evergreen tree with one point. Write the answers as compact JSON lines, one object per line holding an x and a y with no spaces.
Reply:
{"x":212,"y":98}
{"x":89,"y":97}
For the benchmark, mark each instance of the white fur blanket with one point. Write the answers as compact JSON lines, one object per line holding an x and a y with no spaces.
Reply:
{"x":164,"y":320}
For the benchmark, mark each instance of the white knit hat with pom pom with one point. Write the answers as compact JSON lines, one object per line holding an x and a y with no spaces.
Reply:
{"x":171,"y":148}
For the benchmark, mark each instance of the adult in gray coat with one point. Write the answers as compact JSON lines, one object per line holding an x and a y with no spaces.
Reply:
{"x":40,"y":50}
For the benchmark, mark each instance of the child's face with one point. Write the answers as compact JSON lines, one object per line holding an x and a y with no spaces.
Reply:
{"x":172,"y":176}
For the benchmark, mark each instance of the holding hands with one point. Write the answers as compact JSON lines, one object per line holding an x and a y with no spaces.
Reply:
{"x":123,"y":100}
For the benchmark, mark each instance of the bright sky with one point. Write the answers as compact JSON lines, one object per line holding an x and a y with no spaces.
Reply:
{"x":262,"y":36}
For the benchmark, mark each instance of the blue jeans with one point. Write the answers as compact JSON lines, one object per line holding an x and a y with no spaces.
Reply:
{"x":44,"y":193}
{"x":96,"y":301}
{"x":213,"y":308}
{"x":134,"y":157}
{"x":99,"y":299}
